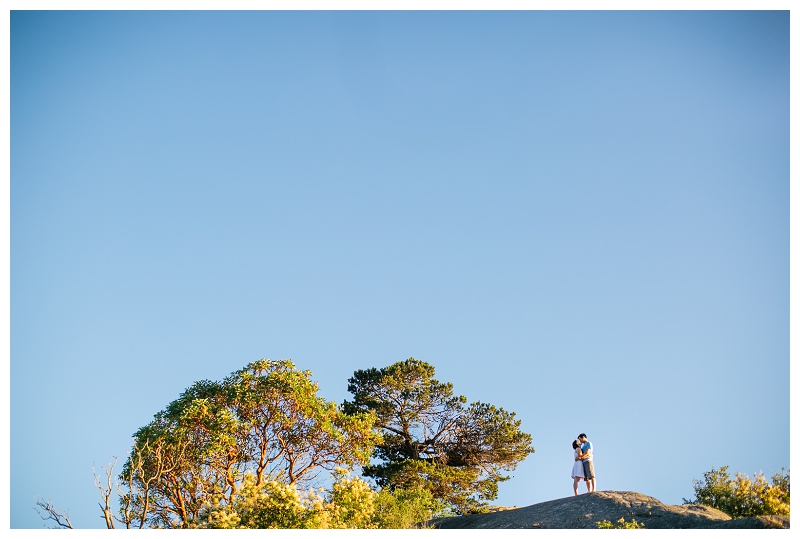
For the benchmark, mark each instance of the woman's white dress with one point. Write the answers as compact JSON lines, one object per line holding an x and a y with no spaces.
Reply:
{"x":577,"y":468}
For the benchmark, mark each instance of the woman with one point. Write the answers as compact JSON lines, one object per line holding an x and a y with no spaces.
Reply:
{"x":577,"y":468}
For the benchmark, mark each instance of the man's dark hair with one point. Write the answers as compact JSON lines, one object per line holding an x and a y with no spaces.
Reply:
{"x":582,"y":435}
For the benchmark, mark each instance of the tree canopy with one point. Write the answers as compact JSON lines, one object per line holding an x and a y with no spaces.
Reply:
{"x":243,"y":452}
{"x":432,"y":439}
{"x":265,"y":420}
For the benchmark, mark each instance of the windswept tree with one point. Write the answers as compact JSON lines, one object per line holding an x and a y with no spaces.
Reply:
{"x":433,"y":439}
{"x":265,"y":421}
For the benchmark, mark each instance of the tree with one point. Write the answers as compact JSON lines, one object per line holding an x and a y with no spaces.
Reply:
{"x":741,"y":496}
{"x":264,"y":421}
{"x":432,"y":439}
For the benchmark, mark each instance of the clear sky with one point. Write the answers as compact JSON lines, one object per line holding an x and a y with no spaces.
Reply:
{"x":582,"y":217}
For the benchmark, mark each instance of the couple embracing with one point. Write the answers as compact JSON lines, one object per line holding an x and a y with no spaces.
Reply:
{"x":584,"y":466}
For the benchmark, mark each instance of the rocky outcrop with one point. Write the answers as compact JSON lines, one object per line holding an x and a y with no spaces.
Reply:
{"x":586,"y":510}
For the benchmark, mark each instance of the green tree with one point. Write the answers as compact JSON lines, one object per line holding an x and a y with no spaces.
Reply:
{"x":264,"y":421}
{"x":238,"y":454}
{"x":433,"y":440}
{"x":741,"y":496}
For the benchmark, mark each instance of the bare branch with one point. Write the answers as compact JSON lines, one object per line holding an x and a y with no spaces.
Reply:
{"x":60,"y":517}
{"x":105,"y":493}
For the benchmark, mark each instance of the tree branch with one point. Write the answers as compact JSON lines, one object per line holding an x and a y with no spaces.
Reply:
{"x":105,"y":493}
{"x":61,"y":518}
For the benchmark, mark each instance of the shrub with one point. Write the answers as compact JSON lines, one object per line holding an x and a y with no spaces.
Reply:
{"x":620,"y":525}
{"x":269,"y":505}
{"x":406,"y":508}
{"x":741,"y":496}
{"x":350,"y":503}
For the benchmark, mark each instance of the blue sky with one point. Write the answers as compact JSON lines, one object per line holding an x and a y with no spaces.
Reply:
{"x":582,"y":217}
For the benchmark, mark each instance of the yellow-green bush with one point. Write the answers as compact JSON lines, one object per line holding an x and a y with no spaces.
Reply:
{"x":269,"y":505}
{"x":404,"y":508}
{"x":741,"y":496}
{"x":620,"y":525}
{"x":350,"y":503}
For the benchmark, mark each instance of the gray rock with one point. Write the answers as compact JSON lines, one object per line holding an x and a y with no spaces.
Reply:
{"x":586,"y":510}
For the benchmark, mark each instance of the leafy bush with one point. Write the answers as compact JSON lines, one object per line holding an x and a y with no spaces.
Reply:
{"x":405,"y":508}
{"x":620,"y":525}
{"x":350,"y":503}
{"x":741,"y":496}
{"x":269,"y":505}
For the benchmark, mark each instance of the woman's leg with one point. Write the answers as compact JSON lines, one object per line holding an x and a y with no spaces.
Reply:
{"x":575,"y":482}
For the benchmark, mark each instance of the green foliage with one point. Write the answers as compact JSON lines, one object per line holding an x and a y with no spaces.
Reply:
{"x":460,"y":488}
{"x":349,"y":504}
{"x":265,"y":420}
{"x":269,"y":505}
{"x":620,"y":525}
{"x":406,"y":508}
{"x":433,"y":440}
{"x":741,"y":496}
{"x":239,"y":454}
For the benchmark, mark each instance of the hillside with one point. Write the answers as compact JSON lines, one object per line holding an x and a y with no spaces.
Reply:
{"x":586,"y":510}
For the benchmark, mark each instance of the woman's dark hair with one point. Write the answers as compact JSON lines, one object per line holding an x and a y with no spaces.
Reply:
{"x":575,"y":444}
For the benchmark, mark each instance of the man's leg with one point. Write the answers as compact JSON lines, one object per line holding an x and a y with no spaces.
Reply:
{"x":588,"y":473}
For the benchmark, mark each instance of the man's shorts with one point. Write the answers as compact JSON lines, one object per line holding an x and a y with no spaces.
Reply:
{"x":588,"y":469}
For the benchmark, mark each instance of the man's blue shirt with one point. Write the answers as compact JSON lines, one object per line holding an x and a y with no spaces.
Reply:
{"x":586,"y":446}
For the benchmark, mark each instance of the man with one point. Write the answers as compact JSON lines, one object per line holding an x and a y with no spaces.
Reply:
{"x":588,"y":463}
